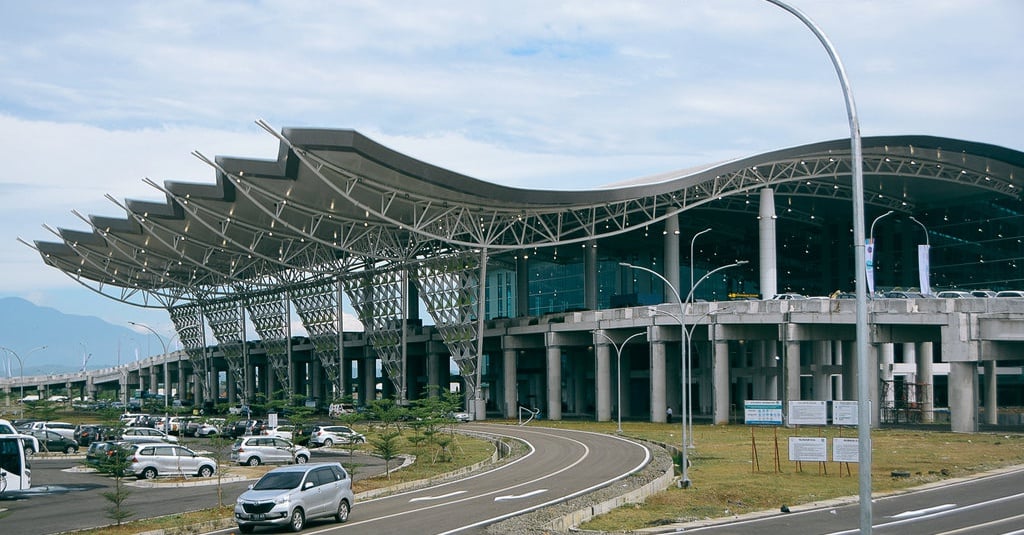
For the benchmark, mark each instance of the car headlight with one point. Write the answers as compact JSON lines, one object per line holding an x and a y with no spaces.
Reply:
{"x":284,"y":498}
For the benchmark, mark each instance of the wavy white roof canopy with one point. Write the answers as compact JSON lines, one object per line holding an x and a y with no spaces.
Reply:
{"x":334,"y":202}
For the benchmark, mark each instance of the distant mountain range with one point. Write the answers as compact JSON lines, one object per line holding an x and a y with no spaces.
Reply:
{"x":71,"y":341}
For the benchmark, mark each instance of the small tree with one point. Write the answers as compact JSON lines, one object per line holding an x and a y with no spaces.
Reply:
{"x":117,"y":464}
{"x":386,"y":445}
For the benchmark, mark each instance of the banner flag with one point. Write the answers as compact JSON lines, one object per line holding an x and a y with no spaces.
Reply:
{"x":923,"y":269}
{"x":869,"y":256}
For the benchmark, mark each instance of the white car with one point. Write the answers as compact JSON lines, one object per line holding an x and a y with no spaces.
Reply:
{"x":210,"y":428}
{"x":136,"y":434}
{"x":329,"y":435}
{"x":147,"y":461}
{"x":291,"y":495}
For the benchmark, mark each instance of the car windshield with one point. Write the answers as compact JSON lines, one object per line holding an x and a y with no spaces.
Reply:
{"x":279,"y":480}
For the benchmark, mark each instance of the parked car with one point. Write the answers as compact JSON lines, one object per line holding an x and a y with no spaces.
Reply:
{"x":329,"y":435}
{"x":900,"y":294}
{"x":245,"y":427}
{"x":954,"y":294}
{"x":1010,"y":293}
{"x":87,"y":434}
{"x":147,"y":433}
{"x":461,"y":416}
{"x":63,"y":428}
{"x":54,"y":441}
{"x":210,"y":428}
{"x":291,"y":495}
{"x":147,"y":461}
{"x":983,"y":293}
{"x":789,"y":296}
{"x":257,"y":450}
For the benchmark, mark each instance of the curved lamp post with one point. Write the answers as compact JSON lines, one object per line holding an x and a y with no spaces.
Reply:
{"x":21,"y":365}
{"x":167,"y":368}
{"x":618,"y":368}
{"x":857,"y":175}
{"x":683,"y":342}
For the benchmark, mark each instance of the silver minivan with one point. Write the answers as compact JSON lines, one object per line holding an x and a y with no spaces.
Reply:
{"x":291,"y":495}
{"x":147,"y":461}
{"x":257,"y":450}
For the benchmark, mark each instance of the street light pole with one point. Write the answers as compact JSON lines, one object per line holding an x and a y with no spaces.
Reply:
{"x":869,"y":261}
{"x":685,"y":379}
{"x":21,"y":365}
{"x":857,"y":176}
{"x":167,"y":369}
{"x":618,"y":369}
{"x":692,"y":240}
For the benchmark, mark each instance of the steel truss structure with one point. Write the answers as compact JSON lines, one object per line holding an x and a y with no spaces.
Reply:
{"x":336,"y":210}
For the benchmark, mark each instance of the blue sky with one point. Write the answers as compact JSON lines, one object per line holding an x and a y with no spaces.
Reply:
{"x":97,"y":96}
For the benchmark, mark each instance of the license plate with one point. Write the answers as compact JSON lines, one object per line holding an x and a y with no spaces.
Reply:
{"x":259,"y":516}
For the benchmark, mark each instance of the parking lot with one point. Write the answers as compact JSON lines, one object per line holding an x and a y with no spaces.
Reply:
{"x":67,"y":495}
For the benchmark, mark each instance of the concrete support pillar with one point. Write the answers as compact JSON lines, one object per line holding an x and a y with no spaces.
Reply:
{"x":658,"y":382}
{"x":771,"y":358}
{"x":602,"y":378}
{"x":886,"y":358}
{"x":963,"y":397}
{"x":822,"y":358}
{"x":181,"y":392}
{"x":671,"y":252}
{"x":926,"y":378}
{"x":232,"y":387}
{"x":760,"y":371}
{"x":910,"y":359}
{"x":768,"y":271}
{"x":590,"y":276}
{"x":554,"y":375}
{"x":509,"y":372}
{"x":991,"y":403}
{"x":316,"y":372}
{"x":154,"y":383}
{"x":792,"y":372}
{"x":873,"y":394}
{"x":849,"y":356}
{"x":434,"y":374}
{"x":720,"y":381}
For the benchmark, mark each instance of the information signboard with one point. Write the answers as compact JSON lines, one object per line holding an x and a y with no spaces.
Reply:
{"x":808,"y":449}
{"x":808,"y":413}
{"x":844,"y":413}
{"x":767,"y":412}
{"x":845,"y":450}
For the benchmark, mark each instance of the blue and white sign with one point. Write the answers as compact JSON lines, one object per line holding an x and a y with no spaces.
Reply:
{"x":762,"y":412}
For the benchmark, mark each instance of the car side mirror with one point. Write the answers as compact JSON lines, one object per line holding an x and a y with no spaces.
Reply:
{"x":308,"y":485}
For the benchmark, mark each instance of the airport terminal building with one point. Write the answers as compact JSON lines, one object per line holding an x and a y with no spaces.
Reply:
{"x":625,"y":300}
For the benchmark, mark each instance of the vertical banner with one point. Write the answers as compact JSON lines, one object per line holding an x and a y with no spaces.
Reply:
{"x":923,"y":269}
{"x":869,"y":256}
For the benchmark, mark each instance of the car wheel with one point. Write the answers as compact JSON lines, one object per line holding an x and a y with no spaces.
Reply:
{"x":70,"y":449}
{"x":149,"y":473}
{"x":298,"y":520}
{"x":245,"y":528}
{"x":206,"y":471}
{"x":328,"y":443}
{"x":342,"y":514}
{"x":359,"y":440}
{"x":254,"y":461}
{"x":301,"y":459}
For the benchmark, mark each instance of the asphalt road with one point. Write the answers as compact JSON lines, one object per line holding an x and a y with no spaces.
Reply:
{"x":65,"y":497}
{"x":560,"y":464}
{"x":980,"y":506}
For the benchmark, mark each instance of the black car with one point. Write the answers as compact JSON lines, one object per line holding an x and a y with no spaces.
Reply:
{"x":87,"y":434}
{"x":51,"y":441}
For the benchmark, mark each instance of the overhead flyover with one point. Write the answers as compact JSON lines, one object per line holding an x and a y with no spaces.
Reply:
{"x":336,"y":212}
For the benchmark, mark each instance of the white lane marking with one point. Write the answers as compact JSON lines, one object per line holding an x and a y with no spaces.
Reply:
{"x":919,"y":512}
{"x":975,"y":528}
{"x":519,"y":497}
{"x":441,"y":497}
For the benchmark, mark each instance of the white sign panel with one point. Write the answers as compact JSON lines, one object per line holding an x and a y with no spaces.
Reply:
{"x":844,"y":413}
{"x":808,"y":412}
{"x":808,"y":449}
{"x":845,"y":450}
{"x":762,"y":412}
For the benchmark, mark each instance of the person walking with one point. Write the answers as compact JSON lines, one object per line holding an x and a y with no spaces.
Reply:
{"x":668,"y":415}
